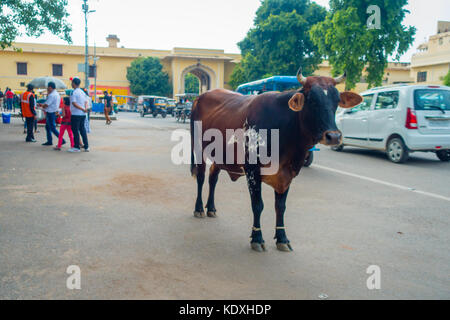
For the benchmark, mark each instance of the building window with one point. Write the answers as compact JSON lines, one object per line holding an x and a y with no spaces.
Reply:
{"x":22,"y":68}
{"x":57,"y":70}
{"x":422,"y":76}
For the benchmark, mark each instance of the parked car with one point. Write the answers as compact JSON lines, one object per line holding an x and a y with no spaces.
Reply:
{"x":399,"y":120}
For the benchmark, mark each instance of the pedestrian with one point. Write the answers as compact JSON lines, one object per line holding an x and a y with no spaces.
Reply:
{"x":16,"y":102}
{"x":51,"y":107}
{"x":78,"y":110}
{"x":9,"y":99}
{"x":88,"y":115}
{"x":1,"y":98}
{"x":65,"y":125}
{"x":29,"y":112}
{"x":108,"y":105}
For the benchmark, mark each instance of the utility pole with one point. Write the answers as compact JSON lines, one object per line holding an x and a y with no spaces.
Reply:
{"x":86,"y":49}
{"x":86,"y":52}
{"x":95,"y":70}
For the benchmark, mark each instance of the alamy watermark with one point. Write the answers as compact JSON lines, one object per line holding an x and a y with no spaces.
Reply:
{"x":374,"y":20}
{"x":237,"y":147}
{"x":374,"y":281}
{"x":73,"y":282}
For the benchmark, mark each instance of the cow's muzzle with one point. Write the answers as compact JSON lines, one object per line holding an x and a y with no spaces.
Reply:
{"x":332,"y":138}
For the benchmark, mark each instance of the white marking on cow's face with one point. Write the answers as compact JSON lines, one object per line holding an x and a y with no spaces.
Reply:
{"x":326,"y":92}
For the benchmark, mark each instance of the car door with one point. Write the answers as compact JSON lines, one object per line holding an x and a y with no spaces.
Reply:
{"x":355,"y":123}
{"x":382,"y":119}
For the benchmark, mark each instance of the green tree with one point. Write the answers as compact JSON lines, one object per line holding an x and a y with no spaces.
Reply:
{"x":350,"y":45}
{"x":191,"y":84}
{"x":279,"y":42}
{"x":447,"y":79}
{"x":147,"y":77}
{"x":33,"y":18}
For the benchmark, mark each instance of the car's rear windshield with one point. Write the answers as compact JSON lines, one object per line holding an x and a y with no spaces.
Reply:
{"x":432,"y":99}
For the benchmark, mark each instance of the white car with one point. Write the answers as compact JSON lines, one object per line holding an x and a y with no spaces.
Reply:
{"x":399,"y":120}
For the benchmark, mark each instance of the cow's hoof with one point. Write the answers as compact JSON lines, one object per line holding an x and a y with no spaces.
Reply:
{"x":259,"y":247}
{"x":285,"y":247}
{"x":212,"y":214}
{"x":199,"y":214}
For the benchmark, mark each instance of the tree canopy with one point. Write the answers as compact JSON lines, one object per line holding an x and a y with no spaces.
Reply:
{"x":191,"y":84}
{"x":345,"y":38}
{"x":447,"y":79}
{"x":33,"y":18}
{"x":279,"y":42}
{"x":147,"y":77}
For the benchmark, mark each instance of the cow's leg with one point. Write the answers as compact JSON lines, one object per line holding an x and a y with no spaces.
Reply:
{"x":199,"y":212}
{"x":213,"y":178}
{"x":254,"y":186}
{"x":283,"y":243}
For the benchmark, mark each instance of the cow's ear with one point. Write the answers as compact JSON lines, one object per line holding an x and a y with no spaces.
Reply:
{"x":297,"y":102}
{"x":350,"y":100}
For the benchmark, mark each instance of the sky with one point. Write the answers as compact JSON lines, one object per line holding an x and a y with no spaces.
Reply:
{"x":212,"y":24}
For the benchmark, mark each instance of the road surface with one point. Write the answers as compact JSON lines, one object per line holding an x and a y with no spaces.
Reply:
{"x":123,"y":214}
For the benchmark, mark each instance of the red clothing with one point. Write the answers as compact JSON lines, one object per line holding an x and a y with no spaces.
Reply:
{"x":68,"y":115}
{"x":9,"y":94}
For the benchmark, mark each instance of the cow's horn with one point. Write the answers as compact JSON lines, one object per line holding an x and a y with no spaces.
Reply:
{"x":341,"y":78}
{"x":300,"y":77}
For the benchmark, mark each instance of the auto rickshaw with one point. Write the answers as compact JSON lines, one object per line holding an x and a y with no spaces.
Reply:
{"x":153,"y":105}
{"x":171,"y":105}
{"x":184,"y":106}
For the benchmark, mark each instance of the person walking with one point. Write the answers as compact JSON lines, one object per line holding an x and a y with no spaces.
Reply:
{"x":29,"y":112}
{"x":65,"y":125}
{"x":1,"y":98}
{"x":51,"y":107}
{"x":108,"y":105}
{"x":78,"y":110}
{"x":9,"y":99}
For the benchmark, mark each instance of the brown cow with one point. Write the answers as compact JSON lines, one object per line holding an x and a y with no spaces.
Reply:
{"x":303,"y":117}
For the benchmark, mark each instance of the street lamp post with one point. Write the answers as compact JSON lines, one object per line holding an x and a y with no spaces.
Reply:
{"x":86,"y":52}
{"x":86,"y":44}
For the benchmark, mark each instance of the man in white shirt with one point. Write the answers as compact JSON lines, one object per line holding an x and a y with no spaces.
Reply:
{"x":78,"y":108}
{"x":51,"y":107}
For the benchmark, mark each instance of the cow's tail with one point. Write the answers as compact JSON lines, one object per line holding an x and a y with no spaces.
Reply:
{"x":194,"y":169}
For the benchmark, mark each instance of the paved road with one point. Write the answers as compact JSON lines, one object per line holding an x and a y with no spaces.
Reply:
{"x":123,"y":213}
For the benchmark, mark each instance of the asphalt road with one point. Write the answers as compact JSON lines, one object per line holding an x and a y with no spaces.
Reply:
{"x":123,"y":214}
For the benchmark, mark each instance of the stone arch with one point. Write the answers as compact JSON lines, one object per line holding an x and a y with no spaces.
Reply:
{"x":205,"y":75}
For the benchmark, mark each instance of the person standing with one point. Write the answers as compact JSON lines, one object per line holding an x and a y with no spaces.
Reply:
{"x":1,"y":98}
{"x":9,"y":99}
{"x":78,"y":110}
{"x":29,"y":112}
{"x":65,"y":124}
{"x":51,"y":107}
{"x":108,"y":104}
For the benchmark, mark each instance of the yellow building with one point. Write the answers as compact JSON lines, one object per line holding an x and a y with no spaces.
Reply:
{"x":432,"y":63}
{"x":212,"y":67}
{"x":396,"y":72}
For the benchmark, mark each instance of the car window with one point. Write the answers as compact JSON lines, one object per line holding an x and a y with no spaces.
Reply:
{"x":387,"y":100}
{"x":431,"y":99}
{"x":365,"y":105}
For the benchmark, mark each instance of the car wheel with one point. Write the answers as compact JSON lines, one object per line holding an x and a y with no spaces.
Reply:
{"x":338,"y":148}
{"x":309,"y":159}
{"x":155,"y":115}
{"x":397,"y":151}
{"x":164,"y":115}
{"x":443,"y":155}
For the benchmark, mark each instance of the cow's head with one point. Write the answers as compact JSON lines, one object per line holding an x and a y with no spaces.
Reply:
{"x":318,"y":100}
